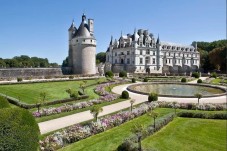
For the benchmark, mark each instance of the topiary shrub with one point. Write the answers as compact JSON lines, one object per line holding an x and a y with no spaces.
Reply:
{"x":145,"y":80}
{"x":19,"y":79}
{"x":4,"y":103}
{"x":71,"y":77}
{"x":109,"y":74}
{"x":123,"y":74}
{"x":152,"y":97}
{"x":183,"y":80}
{"x":80,"y":92}
{"x":199,"y":81}
{"x":128,"y":145}
{"x":195,"y":74}
{"x":18,"y":130}
{"x":213,"y":75}
{"x":124,"y":95}
{"x":133,"y":80}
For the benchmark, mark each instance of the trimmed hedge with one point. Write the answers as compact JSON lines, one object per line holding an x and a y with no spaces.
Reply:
{"x":109,"y":74}
{"x":199,"y":81}
{"x":183,"y":80}
{"x":145,"y":80}
{"x":4,"y":103}
{"x":204,"y":115}
{"x":195,"y":74}
{"x":133,"y":80}
{"x":19,"y":79}
{"x":214,"y":75}
{"x":18,"y":130}
{"x":124,"y":95}
{"x":152,"y":97}
{"x":123,"y":74}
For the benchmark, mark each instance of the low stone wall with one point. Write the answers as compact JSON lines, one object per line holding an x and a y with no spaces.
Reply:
{"x":29,"y":72}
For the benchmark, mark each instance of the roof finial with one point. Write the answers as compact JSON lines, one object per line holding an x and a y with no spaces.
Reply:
{"x":121,"y":33}
{"x":158,"y":41}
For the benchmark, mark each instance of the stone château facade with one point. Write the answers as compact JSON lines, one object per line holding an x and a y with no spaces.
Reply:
{"x":141,"y":53}
{"x":82,"y":47}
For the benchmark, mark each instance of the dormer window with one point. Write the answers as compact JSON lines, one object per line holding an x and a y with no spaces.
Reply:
{"x":147,"y":51}
{"x":147,"y":44}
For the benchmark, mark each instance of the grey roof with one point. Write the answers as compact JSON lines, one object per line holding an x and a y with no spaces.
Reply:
{"x":83,"y":30}
{"x":158,"y":41}
{"x":176,"y":45}
{"x":72,"y":27}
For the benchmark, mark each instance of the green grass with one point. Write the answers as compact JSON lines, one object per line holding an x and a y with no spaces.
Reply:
{"x":111,"y":139}
{"x":30,"y":93}
{"x":189,"y":134}
{"x":216,"y":81}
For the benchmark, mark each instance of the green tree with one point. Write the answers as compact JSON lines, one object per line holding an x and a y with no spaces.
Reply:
{"x":139,"y":130}
{"x":198,"y":96}
{"x":101,"y":57}
{"x":95,"y":110}
{"x":153,"y":115}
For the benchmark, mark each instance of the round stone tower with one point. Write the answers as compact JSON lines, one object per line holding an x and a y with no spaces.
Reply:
{"x":82,"y":48}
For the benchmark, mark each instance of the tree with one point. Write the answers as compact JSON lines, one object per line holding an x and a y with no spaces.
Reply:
{"x":41,"y":100}
{"x":65,"y":62}
{"x":95,"y":110}
{"x":101,"y":57}
{"x":132,"y":101}
{"x":153,"y":115}
{"x":152,"y":97}
{"x":82,"y":85}
{"x":198,"y":96}
{"x":139,"y":130}
{"x":175,"y":107}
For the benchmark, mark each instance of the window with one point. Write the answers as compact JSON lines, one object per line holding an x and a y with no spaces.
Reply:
{"x":147,"y":44}
{"x":91,"y":40}
{"x":153,"y":60}
{"x":122,"y":61}
{"x":195,"y":55}
{"x":187,"y":55}
{"x":178,"y":54}
{"x":178,"y":60}
{"x":169,"y":60}
{"x":141,"y":60}
{"x":141,"y":52}
{"x":127,"y":52}
{"x":141,"y":44}
{"x":187,"y":61}
{"x":133,"y":62}
{"x":84,"y":40}
{"x":166,"y":60}
{"x":115,"y":60}
{"x":77,"y":40}
{"x":122,"y":45}
{"x":153,"y":53}
{"x":174,"y":54}
{"x":115,"y":54}
{"x":128,"y":61}
{"x":147,"y":60}
{"x":147,"y":51}
{"x":169,"y":53}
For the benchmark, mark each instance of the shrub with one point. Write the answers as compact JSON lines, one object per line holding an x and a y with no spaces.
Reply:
{"x":199,"y":81}
{"x":123,"y":74}
{"x":4,"y":103}
{"x":19,"y":130}
{"x":152,"y":97}
{"x":125,"y":95}
{"x":202,"y":115}
{"x":183,"y":80}
{"x":145,"y":80}
{"x":195,"y":74}
{"x":19,"y":79}
{"x":213,"y":75}
{"x":128,"y":145}
{"x":133,"y":80}
{"x":47,"y":77}
{"x":109,"y":74}
{"x":71,"y":77}
{"x":80,"y":92}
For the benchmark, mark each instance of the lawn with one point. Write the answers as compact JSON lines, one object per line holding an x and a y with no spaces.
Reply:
{"x":30,"y":93}
{"x":189,"y":134}
{"x":111,"y":139}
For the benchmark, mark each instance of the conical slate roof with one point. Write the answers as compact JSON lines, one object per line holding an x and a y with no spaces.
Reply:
{"x":83,"y":30}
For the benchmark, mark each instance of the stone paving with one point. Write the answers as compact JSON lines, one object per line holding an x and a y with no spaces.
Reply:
{"x":62,"y":122}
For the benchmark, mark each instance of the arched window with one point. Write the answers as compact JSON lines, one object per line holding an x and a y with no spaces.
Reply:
{"x":147,"y":60}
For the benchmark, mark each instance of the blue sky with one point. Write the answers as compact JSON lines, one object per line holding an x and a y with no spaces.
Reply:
{"x":40,"y":27}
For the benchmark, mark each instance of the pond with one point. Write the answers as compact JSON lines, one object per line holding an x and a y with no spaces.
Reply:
{"x":176,"y":90}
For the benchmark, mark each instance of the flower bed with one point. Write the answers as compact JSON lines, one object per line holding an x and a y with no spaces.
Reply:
{"x":77,"y":132}
{"x":100,"y":89}
{"x":193,"y":106}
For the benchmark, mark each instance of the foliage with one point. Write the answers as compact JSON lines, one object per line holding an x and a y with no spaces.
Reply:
{"x":101,"y":57}
{"x":218,"y":58}
{"x":183,"y":80}
{"x":19,"y":79}
{"x":19,"y":130}
{"x":198,"y":96}
{"x":205,"y":115}
{"x":133,"y":80}
{"x":199,"y":81}
{"x":95,"y":110}
{"x":128,"y":145}
{"x":71,"y":77}
{"x":123,"y":74}
{"x":213,"y":75}
{"x":152,"y":97}
{"x":65,"y":62}
{"x":72,"y":93}
{"x":125,"y":94}
{"x":4,"y":103}
{"x":195,"y":74}
{"x":145,"y":80}
{"x":109,"y":74}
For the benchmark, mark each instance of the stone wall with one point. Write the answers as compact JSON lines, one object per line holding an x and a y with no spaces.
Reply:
{"x":29,"y":72}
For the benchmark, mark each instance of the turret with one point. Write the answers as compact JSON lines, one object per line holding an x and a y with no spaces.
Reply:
{"x":91,"y":26}
{"x":71,"y":30}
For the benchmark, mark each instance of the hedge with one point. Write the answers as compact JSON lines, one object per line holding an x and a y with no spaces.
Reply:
{"x":109,"y":74}
{"x":152,"y":97}
{"x":18,"y":130}
{"x":124,"y":95}
{"x":133,"y":80}
{"x":123,"y":74}
{"x":204,"y":115}
{"x":199,"y":81}
{"x":183,"y":80}
{"x":195,"y":74}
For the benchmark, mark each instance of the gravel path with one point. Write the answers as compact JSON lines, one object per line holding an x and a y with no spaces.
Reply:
{"x":62,"y":122}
